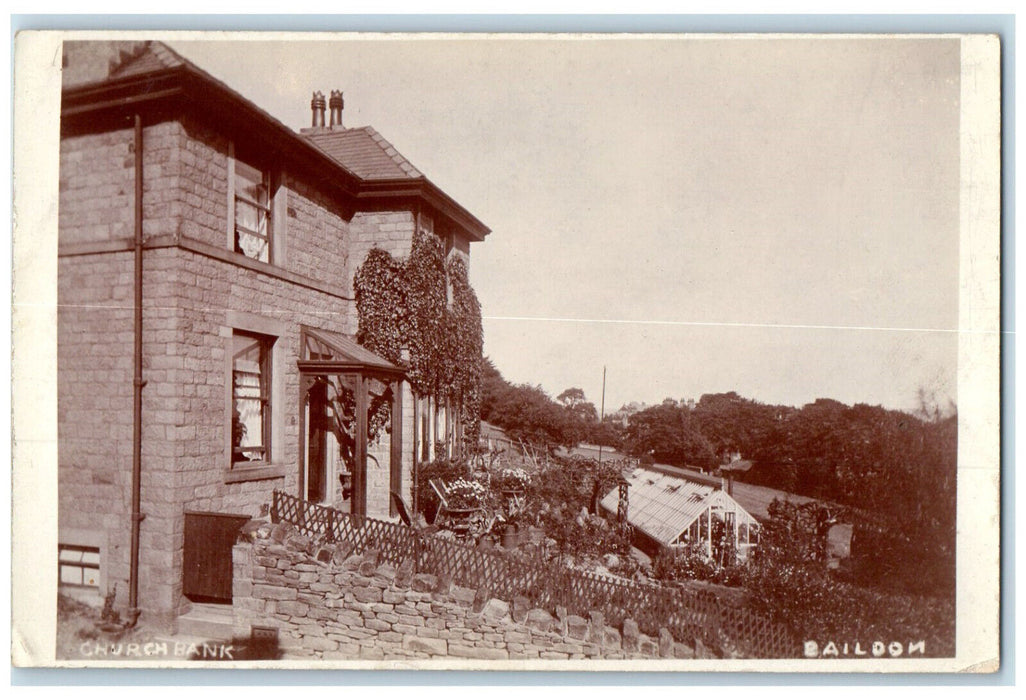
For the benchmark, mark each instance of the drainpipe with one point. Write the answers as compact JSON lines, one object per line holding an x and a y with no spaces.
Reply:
{"x":138,"y":383}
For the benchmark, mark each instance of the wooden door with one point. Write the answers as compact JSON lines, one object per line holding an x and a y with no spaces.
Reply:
{"x":207,"y":559}
{"x":318,"y":427}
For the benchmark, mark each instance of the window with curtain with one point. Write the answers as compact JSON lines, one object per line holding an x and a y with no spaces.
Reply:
{"x":251,"y":397}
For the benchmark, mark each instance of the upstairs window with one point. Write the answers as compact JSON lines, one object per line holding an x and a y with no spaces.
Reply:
{"x":252,"y":209}
{"x":251,"y":398}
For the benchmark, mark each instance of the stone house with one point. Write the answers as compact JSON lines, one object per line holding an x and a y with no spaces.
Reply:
{"x":207,"y":315}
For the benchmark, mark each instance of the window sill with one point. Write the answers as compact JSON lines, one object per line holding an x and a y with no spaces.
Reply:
{"x":254,"y":473}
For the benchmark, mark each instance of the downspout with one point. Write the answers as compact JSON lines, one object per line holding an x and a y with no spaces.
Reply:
{"x":138,"y":383}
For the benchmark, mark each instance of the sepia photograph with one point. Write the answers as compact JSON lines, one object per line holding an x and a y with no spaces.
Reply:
{"x":521,"y":352}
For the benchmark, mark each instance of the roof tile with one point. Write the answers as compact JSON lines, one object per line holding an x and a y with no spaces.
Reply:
{"x":365,"y":152}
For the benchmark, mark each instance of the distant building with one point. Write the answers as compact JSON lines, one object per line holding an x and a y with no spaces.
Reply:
{"x":626,"y":411}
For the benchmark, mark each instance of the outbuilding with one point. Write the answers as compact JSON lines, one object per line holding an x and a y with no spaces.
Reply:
{"x":674,"y":514}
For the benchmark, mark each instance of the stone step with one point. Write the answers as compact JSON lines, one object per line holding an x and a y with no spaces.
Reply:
{"x":206,"y":621}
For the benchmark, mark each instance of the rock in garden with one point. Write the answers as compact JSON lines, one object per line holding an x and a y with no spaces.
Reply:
{"x":404,"y":574}
{"x":631,"y":635}
{"x":495,"y":609}
{"x":539,"y":620}
{"x":520,"y":607}
{"x":665,"y":643}
{"x":424,"y":583}
{"x":280,"y":531}
{"x":577,"y":627}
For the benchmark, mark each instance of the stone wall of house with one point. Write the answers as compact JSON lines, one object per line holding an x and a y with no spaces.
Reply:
{"x":95,"y":396}
{"x":390,"y":231}
{"x":327,"y":603}
{"x":311,"y":237}
{"x":94,"y":406}
{"x":190,"y":300}
{"x":96,"y":200}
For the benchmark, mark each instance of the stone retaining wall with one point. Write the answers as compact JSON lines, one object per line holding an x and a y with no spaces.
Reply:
{"x":328,"y":603}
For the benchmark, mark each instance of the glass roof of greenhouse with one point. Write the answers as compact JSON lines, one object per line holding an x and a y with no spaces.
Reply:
{"x":664,"y":506}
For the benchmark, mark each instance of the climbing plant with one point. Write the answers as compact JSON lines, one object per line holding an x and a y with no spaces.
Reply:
{"x":381,"y":305}
{"x":468,"y":345}
{"x":424,"y":283}
{"x":426,"y":305}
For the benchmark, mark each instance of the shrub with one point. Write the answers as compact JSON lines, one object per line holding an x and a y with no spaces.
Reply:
{"x":695,"y":566}
{"x":817,"y":606}
{"x":788,"y":579}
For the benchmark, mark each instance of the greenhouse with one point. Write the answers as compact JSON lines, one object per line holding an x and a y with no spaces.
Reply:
{"x":677,"y":514}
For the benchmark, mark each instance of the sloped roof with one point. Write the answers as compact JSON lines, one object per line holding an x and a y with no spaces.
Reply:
{"x":320,"y":346}
{"x":365,"y":152}
{"x":738,"y":465}
{"x":106,"y":74}
{"x":143,"y":58}
{"x":493,"y":432}
{"x":664,"y":506}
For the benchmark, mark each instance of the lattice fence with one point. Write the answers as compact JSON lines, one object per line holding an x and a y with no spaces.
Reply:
{"x":686,"y":614}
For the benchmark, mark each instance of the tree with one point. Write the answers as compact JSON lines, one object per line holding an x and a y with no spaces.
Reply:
{"x":493,"y":387}
{"x":609,"y":432}
{"x":669,"y":434}
{"x":580,"y":414}
{"x":527,"y":413}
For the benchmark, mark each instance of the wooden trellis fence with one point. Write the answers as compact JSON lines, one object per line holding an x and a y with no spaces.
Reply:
{"x":687,"y":615}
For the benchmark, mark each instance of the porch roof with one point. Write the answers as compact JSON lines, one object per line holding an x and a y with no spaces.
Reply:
{"x":328,"y":352}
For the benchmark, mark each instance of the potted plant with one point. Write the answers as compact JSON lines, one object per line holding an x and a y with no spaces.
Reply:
{"x":511,"y":532}
{"x":512,"y":484}
{"x":512,"y":481}
{"x":464,"y":494}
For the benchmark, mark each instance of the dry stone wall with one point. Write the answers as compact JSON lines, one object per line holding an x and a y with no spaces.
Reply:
{"x":327,"y":602}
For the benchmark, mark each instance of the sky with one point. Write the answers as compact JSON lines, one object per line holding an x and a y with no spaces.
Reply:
{"x":777,"y":217}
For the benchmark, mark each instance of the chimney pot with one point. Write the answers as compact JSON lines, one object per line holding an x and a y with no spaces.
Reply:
{"x":336,"y":104}
{"x":317,"y":109}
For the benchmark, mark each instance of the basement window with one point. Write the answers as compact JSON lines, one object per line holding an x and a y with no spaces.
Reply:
{"x":78,"y":565}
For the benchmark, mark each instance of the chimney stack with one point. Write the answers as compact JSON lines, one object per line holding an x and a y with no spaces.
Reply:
{"x":336,"y":103}
{"x":317,"y":109}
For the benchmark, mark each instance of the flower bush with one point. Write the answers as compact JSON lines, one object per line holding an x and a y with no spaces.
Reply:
{"x":512,"y":479}
{"x":695,"y":566}
{"x":464,"y":493}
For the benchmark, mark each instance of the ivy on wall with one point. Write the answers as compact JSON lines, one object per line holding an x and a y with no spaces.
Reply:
{"x":468,"y":342}
{"x":427,"y":306}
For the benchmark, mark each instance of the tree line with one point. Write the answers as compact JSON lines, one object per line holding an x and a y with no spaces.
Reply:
{"x":892,"y":463}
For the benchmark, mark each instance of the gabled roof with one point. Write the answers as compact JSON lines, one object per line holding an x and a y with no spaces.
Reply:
{"x":365,"y":152}
{"x":664,"y":506}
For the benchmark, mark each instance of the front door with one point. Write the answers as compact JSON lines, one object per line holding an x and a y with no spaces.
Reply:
{"x":317,"y":457}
